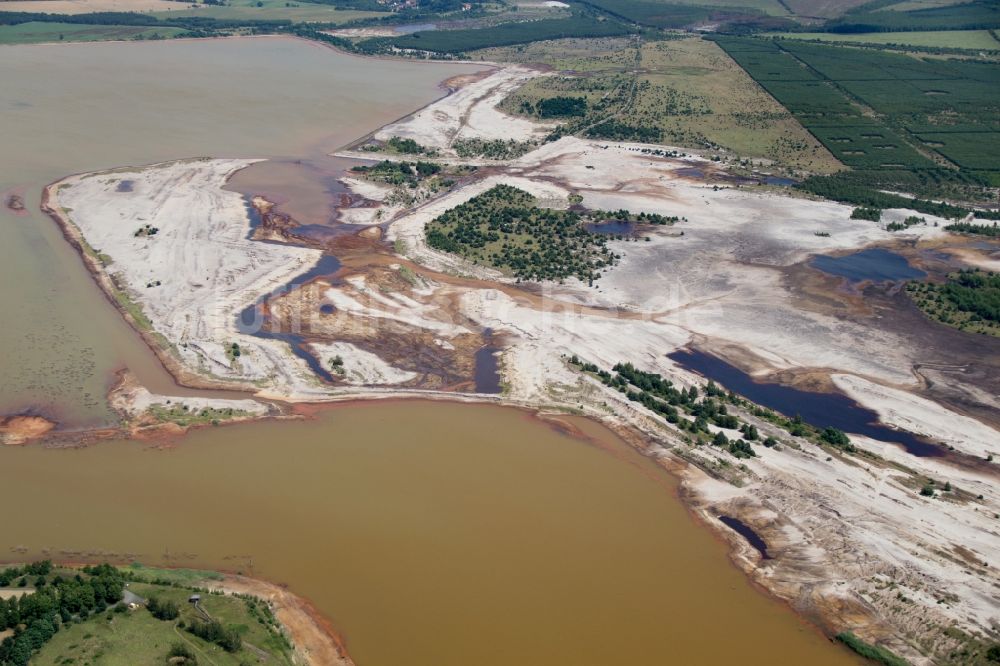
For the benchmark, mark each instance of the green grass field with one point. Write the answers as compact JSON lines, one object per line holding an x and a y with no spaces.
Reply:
{"x":136,"y":637}
{"x":954,"y":39}
{"x":270,"y":10}
{"x":37,"y":33}
{"x":771,"y":7}
{"x":910,"y":5}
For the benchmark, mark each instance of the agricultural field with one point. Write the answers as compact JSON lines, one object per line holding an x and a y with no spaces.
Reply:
{"x":506,"y":34}
{"x":682,"y":92}
{"x":653,"y":13}
{"x":688,"y":14}
{"x":869,"y":146}
{"x":822,"y":8}
{"x":37,"y":33}
{"x":270,"y":10}
{"x":946,"y":39}
{"x":976,"y":15}
{"x":87,"y":6}
{"x":910,"y":5}
{"x":771,"y":7}
{"x":969,"y":150}
{"x":875,"y":109}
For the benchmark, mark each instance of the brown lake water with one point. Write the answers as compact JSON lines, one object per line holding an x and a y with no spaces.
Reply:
{"x":429,"y":534}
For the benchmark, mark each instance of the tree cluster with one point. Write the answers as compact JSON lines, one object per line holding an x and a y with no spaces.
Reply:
{"x":163,"y":610}
{"x":398,"y":173}
{"x":561,"y":106}
{"x":36,"y":617}
{"x":660,"y":396}
{"x":214,"y":631}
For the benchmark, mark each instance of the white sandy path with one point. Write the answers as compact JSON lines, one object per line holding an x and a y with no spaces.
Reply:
{"x":209,"y":271}
{"x":470,"y":112}
{"x":919,"y":415}
{"x":361,"y":367}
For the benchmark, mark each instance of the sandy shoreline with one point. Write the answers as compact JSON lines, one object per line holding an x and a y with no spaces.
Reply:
{"x":734,"y":282}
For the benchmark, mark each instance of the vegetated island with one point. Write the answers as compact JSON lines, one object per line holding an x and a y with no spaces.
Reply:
{"x":53,"y":614}
{"x":505,"y":228}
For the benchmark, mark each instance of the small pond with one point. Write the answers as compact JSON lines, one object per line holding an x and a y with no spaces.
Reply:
{"x":876,"y":265}
{"x":612,"y":228}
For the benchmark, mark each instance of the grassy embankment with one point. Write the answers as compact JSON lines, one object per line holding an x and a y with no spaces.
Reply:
{"x":184,"y":416}
{"x":871,"y":652}
{"x":118,"y":635}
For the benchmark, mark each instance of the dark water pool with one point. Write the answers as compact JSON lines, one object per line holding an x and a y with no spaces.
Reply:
{"x":612,"y":228}
{"x":875,"y":264}
{"x":779,"y":180}
{"x":817,"y":409}
{"x":747,"y":533}
{"x":487,"y":373}
{"x":690,"y":172}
